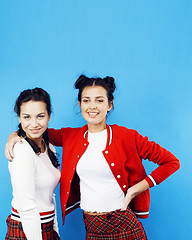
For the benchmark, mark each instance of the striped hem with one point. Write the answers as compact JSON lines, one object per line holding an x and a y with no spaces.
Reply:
{"x":44,"y":216}
{"x":141,"y":213}
{"x":72,"y":206}
{"x":152,"y":180}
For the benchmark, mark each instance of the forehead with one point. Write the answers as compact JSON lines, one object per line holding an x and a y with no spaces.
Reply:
{"x":94,"y":91}
{"x":33,"y":107}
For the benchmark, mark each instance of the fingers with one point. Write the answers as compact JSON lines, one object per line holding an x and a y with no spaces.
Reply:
{"x":128,"y":197}
{"x":126,"y":203}
{"x":9,"y":153}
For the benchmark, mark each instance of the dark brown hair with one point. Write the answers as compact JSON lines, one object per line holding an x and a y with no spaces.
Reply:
{"x":108,"y":83}
{"x":36,"y":94}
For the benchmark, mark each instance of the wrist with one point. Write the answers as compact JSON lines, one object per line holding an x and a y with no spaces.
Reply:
{"x":132,"y":192}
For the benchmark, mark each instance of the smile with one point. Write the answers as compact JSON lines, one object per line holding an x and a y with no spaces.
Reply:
{"x":35,"y":130}
{"x":93,"y":114}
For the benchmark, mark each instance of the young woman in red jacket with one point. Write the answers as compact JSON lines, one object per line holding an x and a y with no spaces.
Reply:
{"x":102,"y":167}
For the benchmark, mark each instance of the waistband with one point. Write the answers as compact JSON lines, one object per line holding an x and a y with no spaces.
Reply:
{"x":44,"y":216}
{"x":99,"y":213}
{"x":138,"y":214}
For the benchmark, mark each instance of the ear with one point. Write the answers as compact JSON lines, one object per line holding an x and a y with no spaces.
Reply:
{"x":19,"y":119}
{"x":49,"y":117}
{"x":79,"y":103}
{"x":110,"y":106}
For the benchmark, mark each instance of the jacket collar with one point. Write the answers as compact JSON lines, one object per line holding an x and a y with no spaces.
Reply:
{"x":109,"y":134}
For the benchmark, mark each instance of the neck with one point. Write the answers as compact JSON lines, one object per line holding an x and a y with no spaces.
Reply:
{"x":39,"y":142}
{"x":96,"y":128}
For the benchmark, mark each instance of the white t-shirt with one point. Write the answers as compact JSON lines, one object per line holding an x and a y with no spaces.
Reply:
{"x":99,"y":189}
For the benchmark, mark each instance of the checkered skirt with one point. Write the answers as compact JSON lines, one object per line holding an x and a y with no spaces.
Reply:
{"x":116,"y":225}
{"x":15,"y":231}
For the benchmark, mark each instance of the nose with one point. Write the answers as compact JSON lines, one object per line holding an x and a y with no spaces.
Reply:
{"x":92,"y":105}
{"x":34,"y":122}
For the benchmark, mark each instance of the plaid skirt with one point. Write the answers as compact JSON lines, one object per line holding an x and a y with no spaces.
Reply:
{"x":115,"y":225}
{"x":15,"y":231}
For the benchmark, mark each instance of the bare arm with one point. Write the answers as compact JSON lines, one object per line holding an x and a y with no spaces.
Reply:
{"x":12,"y":139}
{"x":134,"y":191}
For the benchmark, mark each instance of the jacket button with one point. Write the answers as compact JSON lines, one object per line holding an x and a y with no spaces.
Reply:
{"x":77,"y":156}
{"x":67,"y":192}
{"x":112,"y":164}
{"x":106,"y":152}
{"x":85,"y":144}
{"x":124,"y":186}
{"x":118,"y":176}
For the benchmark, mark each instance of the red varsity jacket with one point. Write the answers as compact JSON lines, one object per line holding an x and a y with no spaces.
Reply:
{"x":124,"y":153}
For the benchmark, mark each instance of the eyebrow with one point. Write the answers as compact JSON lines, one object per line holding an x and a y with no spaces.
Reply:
{"x":30,"y":114}
{"x":96,"y":97}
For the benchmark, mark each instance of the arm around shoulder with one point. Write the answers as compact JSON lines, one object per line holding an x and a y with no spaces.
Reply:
{"x":12,"y":139}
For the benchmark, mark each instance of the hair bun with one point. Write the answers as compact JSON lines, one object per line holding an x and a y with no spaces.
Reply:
{"x":80,"y":81}
{"x":110,"y":83}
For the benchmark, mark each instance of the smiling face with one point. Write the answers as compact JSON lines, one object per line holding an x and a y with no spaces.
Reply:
{"x":34,"y":119}
{"x":94,"y":107}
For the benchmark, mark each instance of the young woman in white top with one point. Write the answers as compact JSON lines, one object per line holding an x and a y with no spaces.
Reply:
{"x":34,"y":171}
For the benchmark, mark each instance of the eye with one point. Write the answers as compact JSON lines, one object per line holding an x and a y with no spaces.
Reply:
{"x":100,"y":100}
{"x":41,"y":116}
{"x":26,"y":117}
{"x":85,"y":100}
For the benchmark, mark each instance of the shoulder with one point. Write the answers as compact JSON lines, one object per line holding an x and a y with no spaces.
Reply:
{"x":70,"y":130}
{"x":23,"y":149}
{"x":64,"y":131}
{"x":123,"y":130}
{"x":24,"y":158}
{"x":125,"y":134}
{"x":73,"y":133}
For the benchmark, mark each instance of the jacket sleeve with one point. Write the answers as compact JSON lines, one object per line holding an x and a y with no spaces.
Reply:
{"x":168,"y":163}
{"x":55,"y":136}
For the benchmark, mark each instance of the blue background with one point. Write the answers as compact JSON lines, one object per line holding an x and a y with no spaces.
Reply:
{"x":145,"y":46}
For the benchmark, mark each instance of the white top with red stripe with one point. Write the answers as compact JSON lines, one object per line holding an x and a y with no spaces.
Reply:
{"x":34,"y":180}
{"x":44,"y":216}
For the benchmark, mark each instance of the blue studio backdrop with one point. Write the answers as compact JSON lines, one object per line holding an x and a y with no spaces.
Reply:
{"x":145,"y":45}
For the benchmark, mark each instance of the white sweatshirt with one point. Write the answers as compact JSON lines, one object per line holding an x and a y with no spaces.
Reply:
{"x":34,"y":180}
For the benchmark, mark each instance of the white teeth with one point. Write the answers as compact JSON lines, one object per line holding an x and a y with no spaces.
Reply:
{"x":92,"y":114}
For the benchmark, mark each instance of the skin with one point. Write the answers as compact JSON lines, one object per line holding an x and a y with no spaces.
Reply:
{"x":34,"y":120}
{"x":94,"y":108}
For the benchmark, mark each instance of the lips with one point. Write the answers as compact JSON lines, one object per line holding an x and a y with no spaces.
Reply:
{"x":93,"y":114}
{"x":35,"y":130}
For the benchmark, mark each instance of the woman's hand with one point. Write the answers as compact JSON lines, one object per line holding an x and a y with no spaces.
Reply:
{"x":134,"y":191}
{"x":12,"y":139}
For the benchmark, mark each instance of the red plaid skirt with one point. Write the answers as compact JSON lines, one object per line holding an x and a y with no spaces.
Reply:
{"x":115,"y":225}
{"x":15,"y":231}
